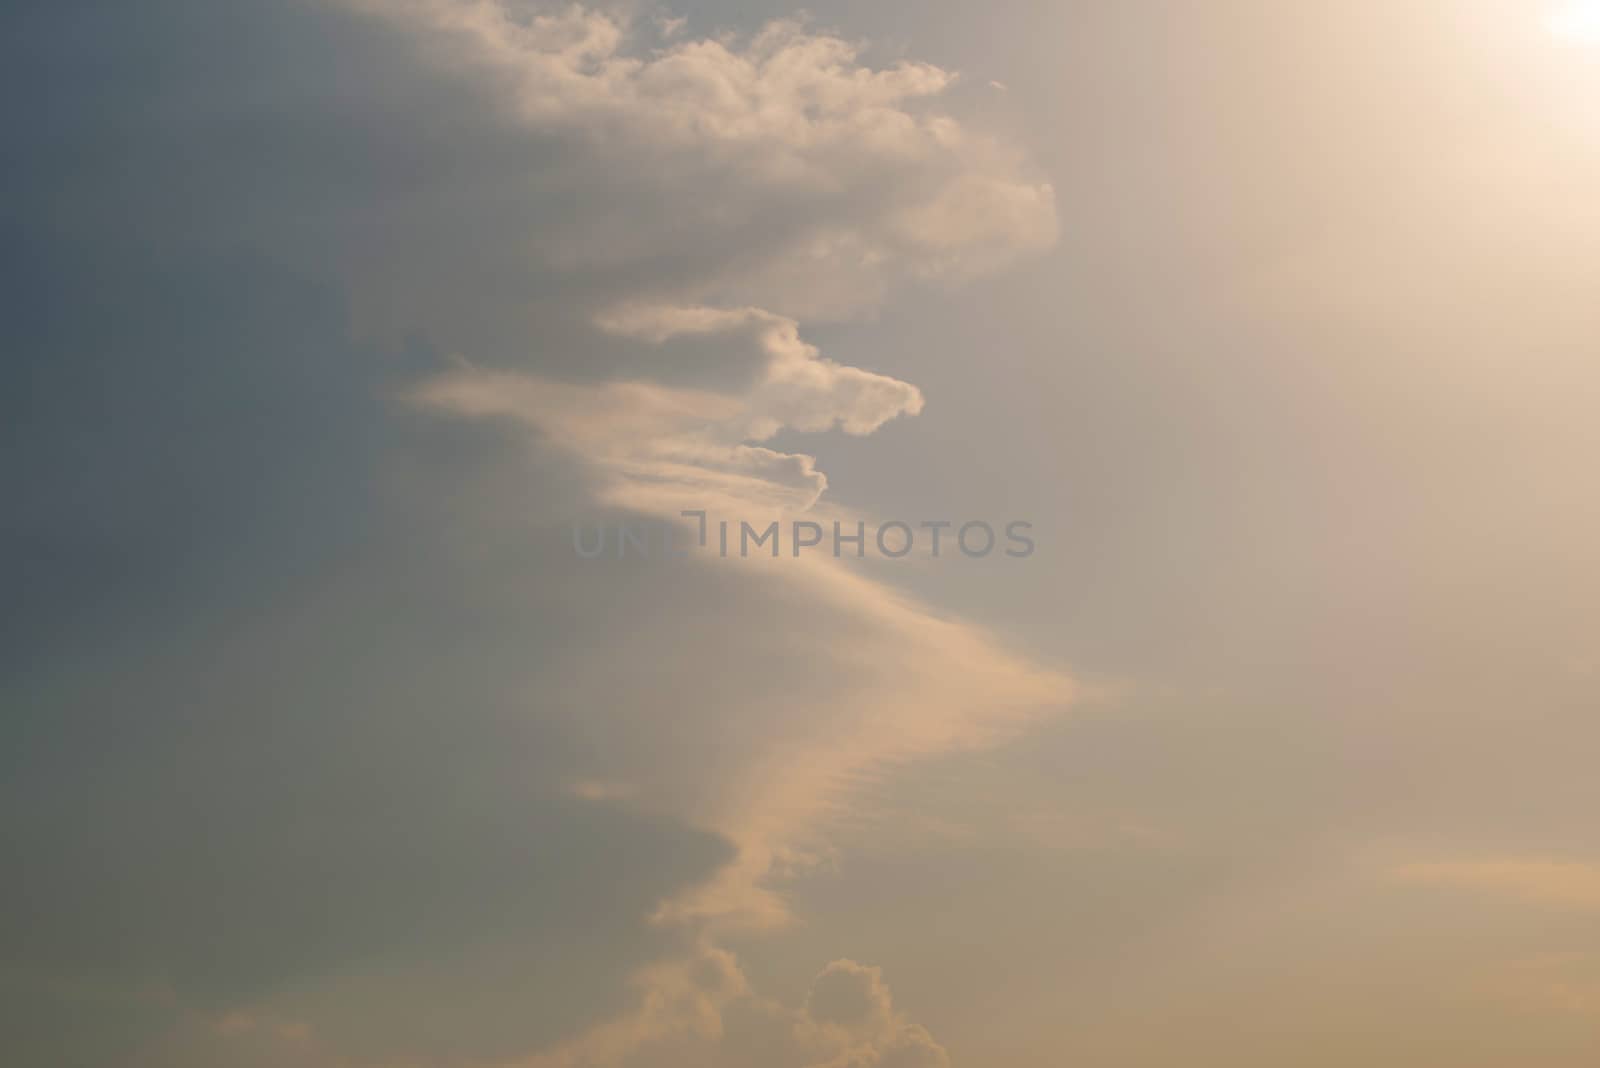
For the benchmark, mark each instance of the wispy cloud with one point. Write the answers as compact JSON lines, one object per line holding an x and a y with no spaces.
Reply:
{"x":1559,"y":884}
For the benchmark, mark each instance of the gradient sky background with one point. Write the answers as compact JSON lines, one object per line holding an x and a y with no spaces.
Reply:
{"x":325,"y":319}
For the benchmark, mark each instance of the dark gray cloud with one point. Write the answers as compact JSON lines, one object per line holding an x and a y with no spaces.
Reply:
{"x":264,"y":729}
{"x":263,"y":725}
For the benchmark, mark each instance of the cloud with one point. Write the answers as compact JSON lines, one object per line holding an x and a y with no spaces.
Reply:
{"x":326,"y":738}
{"x":1560,"y":884}
{"x":703,"y":1012}
{"x":713,"y":380}
{"x":910,"y":1047}
{"x":850,"y":1005}
{"x":666,"y":448}
{"x":774,"y":170}
{"x":850,"y":997}
{"x":1567,"y":983}
{"x":797,"y":387}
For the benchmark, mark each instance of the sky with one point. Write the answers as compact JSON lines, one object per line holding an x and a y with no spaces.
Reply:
{"x":1263,"y":338}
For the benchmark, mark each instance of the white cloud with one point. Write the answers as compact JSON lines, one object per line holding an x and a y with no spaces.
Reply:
{"x":797,"y":387}
{"x":664,"y":448}
{"x":776,"y":170}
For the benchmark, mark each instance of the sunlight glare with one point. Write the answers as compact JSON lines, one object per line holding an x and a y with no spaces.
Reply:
{"x":1577,"y":22}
